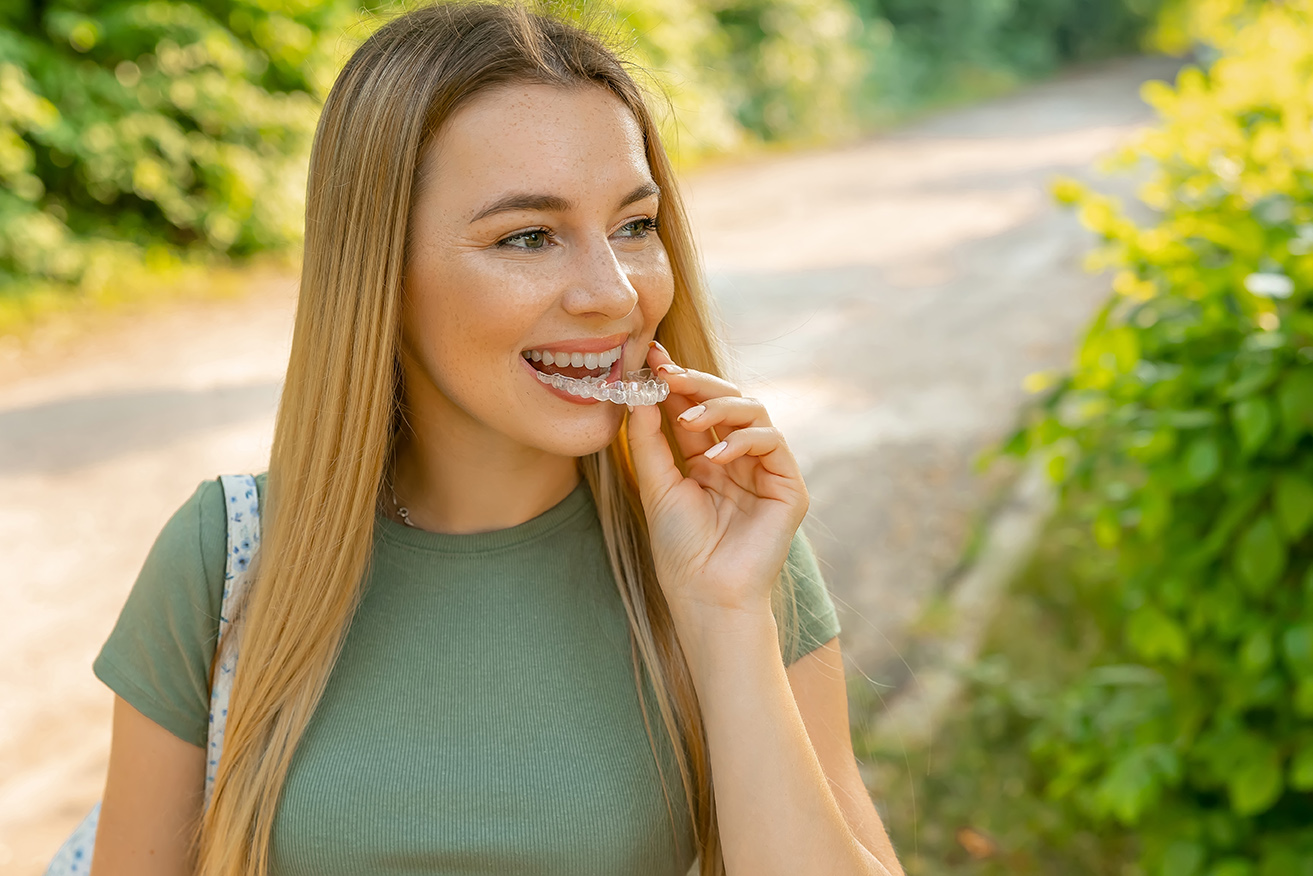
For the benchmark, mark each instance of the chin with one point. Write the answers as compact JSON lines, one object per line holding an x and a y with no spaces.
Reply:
{"x":585,"y":442}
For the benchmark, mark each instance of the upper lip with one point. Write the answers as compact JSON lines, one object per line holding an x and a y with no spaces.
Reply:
{"x":582,"y":345}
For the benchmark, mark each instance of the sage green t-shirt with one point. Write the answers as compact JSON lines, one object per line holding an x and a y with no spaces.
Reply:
{"x":482,"y":716}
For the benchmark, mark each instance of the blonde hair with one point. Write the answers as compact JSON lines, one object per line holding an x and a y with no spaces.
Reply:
{"x":339,"y":414}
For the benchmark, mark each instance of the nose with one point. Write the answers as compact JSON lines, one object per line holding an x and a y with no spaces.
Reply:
{"x":599,"y":283}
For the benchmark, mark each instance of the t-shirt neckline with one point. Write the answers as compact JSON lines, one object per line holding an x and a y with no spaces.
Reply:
{"x":560,"y":514}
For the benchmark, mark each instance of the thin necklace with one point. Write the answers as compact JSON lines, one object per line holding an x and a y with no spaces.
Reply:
{"x":402,"y":511}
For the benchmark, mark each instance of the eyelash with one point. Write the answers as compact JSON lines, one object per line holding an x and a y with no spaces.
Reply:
{"x":648,"y":223}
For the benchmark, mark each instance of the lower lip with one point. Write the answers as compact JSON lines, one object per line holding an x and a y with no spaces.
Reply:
{"x":611,"y":376}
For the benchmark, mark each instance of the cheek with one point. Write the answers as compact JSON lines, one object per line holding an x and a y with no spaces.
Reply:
{"x":463,"y":314}
{"x":655,"y":284}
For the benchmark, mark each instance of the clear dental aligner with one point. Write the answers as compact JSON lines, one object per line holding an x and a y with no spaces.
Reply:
{"x":638,"y":387}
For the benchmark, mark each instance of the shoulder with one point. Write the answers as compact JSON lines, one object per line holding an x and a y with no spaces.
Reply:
{"x":157,"y":656}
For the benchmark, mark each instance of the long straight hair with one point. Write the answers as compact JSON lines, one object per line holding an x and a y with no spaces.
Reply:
{"x":341,"y":407}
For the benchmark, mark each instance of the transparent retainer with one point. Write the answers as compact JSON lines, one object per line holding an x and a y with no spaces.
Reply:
{"x":637,"y":388}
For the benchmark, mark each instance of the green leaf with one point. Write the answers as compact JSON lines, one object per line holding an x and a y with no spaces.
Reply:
{"x":1155,"y":510}
{"x":1301,"y":768}
{"x":1296,"y":400}
{"x":1155,"y":636}
{"x":1256,"y":654}
{"x":1182,"y":858}
{"x":1232,"y":867}
{"x":1281,"y":859}
{"x":1135,"y":782}
{"x":1253,"y":421}
{"x":1107,"y":527}
{"x":1304,"y":698}
{"x":1297,"y":646}
{"x":1192,"y":419}
{"x":1256,"y":783}
{"x":1202,"y":460}
{"x":1260,"y":555}
{"x":1293,"y":501}
{"x":1253,"y":379}
{"x":1056,"y":467}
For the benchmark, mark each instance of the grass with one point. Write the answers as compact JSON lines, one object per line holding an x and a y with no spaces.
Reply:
{"x":973,"y":802}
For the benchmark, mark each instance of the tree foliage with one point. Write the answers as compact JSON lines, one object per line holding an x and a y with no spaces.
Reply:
{"x":1183,"y":436}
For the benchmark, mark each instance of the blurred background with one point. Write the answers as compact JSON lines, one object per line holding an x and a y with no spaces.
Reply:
{"x":1024,"y":282}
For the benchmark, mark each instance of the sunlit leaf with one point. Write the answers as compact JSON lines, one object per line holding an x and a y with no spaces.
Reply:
{"x":1301,"y":768}
{"x":1256,"y":782}
{"x":1156,"y":636}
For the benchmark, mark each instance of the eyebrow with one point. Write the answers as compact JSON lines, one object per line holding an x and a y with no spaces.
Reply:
{"x":554,"y":203}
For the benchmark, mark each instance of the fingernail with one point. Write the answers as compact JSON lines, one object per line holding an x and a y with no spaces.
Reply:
{"x":713,"y":452}
{"x":657,"y":344}
{"x":670,"y":369}
{"x":692,"y":413}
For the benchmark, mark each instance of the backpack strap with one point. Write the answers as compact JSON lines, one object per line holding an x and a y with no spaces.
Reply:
{"x":243,"y":506}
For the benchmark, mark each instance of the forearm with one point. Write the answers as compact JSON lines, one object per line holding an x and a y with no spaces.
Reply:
{"x":774,"y":806}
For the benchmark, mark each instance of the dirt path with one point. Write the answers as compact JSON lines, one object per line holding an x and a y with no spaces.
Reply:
{"x":885,"y":299}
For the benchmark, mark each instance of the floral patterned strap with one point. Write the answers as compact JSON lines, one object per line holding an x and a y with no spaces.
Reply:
{"x":243,"y":508}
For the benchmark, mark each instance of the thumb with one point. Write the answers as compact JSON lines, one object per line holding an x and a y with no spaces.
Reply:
{"x":654,"y":465}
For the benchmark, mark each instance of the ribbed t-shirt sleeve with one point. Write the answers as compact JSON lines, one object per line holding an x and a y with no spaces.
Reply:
{"x":818,"y":622}
{"x":158,"y":655}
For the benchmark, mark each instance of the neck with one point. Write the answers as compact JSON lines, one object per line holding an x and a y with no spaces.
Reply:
{"x":443,"y":492}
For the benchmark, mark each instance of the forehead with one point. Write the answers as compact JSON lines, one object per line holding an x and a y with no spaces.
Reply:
{"x":544,"y":139}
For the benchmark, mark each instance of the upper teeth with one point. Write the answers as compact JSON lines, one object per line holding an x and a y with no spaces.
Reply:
{"x":575,"y":360}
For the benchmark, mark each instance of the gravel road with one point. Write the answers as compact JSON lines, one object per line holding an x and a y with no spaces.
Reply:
{"x":885,"y":299}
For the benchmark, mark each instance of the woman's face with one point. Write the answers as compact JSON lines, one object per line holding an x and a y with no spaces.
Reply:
{"x":533,"y":232}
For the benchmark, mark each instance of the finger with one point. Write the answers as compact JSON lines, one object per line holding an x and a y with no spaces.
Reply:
{"x":688,"y":388}
{"x":734,"y":411}
{"x":695,"y":385}
{"x":764,"y":443}
{"x":654,"y":465}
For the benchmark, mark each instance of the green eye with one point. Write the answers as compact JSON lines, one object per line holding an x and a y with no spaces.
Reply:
{"x":535,"y":239}
{"x":639,"y":227}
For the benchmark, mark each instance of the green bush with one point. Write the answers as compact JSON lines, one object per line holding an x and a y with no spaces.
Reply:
{"x":1184,"y":436}
{"x":127,"y":125}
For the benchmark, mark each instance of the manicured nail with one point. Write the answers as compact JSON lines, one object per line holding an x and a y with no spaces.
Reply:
{"x":692,"y":413}
{"x":713,"y":452}
{"x":657,"y":344}
{"x":669,"y":368}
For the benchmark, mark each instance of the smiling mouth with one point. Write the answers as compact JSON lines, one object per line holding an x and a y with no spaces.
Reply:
{"x":574,"y":365}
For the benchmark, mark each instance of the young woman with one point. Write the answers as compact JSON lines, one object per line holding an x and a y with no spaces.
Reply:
{"x":496,"y":627}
